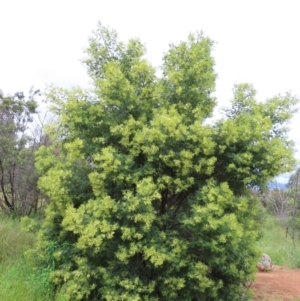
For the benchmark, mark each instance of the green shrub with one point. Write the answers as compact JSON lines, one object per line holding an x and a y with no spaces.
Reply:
{"x":149,"y":201}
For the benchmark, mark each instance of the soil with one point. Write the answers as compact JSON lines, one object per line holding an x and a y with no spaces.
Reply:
{"x":279,"y":284}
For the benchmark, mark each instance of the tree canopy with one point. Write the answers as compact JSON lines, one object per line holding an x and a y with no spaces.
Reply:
{"x":149,"y":201}
{"x":18,"y":179}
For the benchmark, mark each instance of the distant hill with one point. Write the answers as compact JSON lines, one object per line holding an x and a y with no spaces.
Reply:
{"x":276,"y":185}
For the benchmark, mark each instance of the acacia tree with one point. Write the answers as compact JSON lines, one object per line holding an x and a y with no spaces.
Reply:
{"x":149,"y":201}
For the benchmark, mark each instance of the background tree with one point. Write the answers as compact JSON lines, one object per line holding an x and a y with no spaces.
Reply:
{"x":18,"y":179}
{"x":285,"y":205}
{"x":294,"y":180}
{"x":277,"y":203}
{"x":149,"y":201}
{"x":294,"y":206}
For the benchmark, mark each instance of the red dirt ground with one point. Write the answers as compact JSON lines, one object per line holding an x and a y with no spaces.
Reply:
{"x":279,"y":284}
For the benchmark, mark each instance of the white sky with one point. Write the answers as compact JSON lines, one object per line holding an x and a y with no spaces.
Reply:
{"x":258,"y":41}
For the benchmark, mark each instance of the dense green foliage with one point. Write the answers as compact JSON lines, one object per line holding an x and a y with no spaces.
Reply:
{"x":148,"y":200}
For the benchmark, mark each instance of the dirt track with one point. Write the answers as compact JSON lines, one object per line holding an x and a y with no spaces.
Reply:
{"x":280,"y":284}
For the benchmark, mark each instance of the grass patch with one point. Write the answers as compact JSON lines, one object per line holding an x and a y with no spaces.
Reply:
{"x":19,"y":281}
{"x":279,"y":247}
{"x":13,"y":241}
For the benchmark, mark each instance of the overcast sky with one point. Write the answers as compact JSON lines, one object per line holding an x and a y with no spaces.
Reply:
{"x":42,"y":42}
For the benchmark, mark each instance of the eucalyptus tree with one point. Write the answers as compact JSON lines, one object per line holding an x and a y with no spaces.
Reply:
{"x":18,"y":179}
